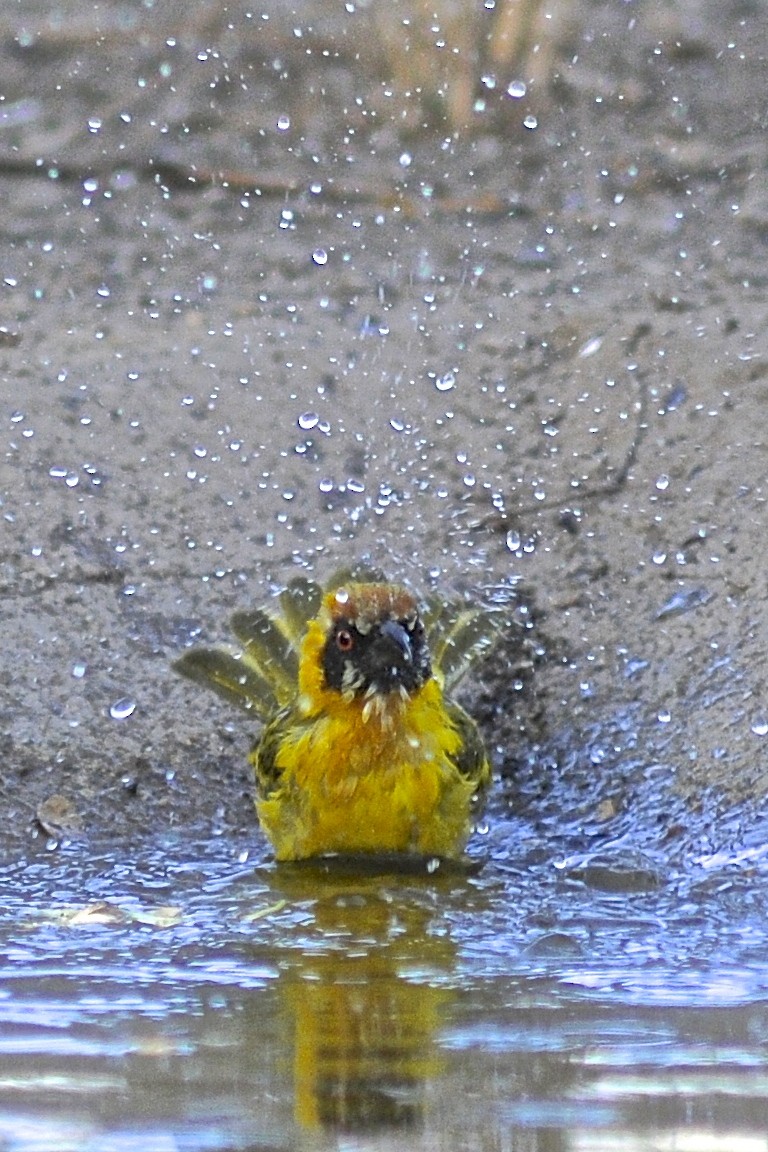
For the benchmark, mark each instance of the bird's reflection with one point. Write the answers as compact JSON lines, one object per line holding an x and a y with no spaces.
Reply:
{"x":366,"y":995}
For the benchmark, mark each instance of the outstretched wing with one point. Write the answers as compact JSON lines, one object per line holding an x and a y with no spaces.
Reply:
{"x":458,"y":636}
{"x":299,"y":603}
{"x":231,"y":677}
{"x":262,"y":675}
{"x":268,"y":649}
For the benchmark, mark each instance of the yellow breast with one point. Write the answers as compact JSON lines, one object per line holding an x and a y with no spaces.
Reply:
{"x":353,"y":781}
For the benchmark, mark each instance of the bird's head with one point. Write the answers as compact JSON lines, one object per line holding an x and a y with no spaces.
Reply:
{"x":370,"y":645}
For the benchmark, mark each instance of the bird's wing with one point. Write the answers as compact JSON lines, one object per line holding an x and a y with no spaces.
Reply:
{"x":458,"y":636}
{"x":471,"y":759}
{"x":232,"y":677}
{"x":299,"y":603}
{"x":265,"y":751}
{"x":262,"y":675}
{"x":268,"y":649}
{"x":271,"y":640}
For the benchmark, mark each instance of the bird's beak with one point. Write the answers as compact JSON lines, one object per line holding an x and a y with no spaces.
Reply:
{"x":399,"y":638}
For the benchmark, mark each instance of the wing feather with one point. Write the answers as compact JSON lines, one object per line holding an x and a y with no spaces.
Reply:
{"x":269,"y":649}
{"x":264,"y":753}
{"x":472,"y":759}
{"x":458,"y":637}
{"x":299,"y":603}
{"x":234,"y":679}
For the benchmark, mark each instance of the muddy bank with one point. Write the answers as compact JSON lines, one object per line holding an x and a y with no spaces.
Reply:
{"x":428,"y":347}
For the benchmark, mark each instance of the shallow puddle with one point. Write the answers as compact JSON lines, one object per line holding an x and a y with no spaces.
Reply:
{"x":183,"y":996}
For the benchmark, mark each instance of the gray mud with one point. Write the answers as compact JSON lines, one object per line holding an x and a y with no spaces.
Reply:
{"x":440,"y":351}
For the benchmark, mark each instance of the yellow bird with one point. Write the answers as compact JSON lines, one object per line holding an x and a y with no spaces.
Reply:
{"x":362,"y":751}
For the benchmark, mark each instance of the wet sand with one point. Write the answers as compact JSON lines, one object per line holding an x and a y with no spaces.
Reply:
{"x":209,"y":389}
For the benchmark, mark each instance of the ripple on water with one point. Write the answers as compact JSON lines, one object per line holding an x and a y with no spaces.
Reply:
{"x":490,"y":973}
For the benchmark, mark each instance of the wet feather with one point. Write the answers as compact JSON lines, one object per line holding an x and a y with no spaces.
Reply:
{"x":384,"y":764}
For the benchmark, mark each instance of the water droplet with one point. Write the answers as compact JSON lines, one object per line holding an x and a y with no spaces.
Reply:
{"x":320,"y":256}
{"x":664,"y":716}
{"x":514,"y":541}
{"x":79,"y":669}
{"x":591,"y":347}
{"x":662,"y":483}
{"x":517,"y":89}
{"x":406,"y":159}
{"x":659,"y":557}
{"x":445,"y":382}
{"x":122,"y":708}
{"x":685,"y":600}
{"x":342,"y":596}
{"x":530,"y":123}
{"x":283,"y":123}
{"x":760,"y":726}
{"x":308,"y":420}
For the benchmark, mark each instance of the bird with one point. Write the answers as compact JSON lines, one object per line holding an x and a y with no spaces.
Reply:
{"x":362,"y":750}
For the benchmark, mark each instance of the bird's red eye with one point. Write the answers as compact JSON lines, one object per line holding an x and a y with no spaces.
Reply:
{"x":344,"y":640}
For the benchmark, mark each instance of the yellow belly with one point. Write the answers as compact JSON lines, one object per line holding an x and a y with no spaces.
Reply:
{"x":349,"y":786}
